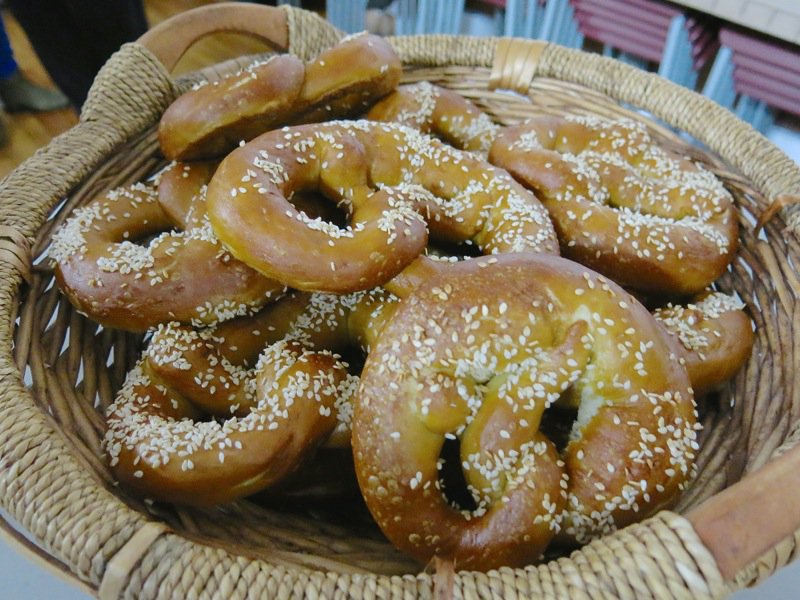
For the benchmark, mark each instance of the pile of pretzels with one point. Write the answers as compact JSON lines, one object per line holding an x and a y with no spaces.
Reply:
{"x":534,"y":306}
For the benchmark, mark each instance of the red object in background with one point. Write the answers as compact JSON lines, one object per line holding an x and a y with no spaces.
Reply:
{"x":623,"y":11}
{"x":776,"y":53}
{"x":764,"y":69}
{"x":769,"y":70}
{"x":631,"y":42}
{"x":640,"y":28}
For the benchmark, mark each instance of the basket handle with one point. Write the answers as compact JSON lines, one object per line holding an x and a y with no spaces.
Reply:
{"x":170,"y":39}
{"x":780,"y":202}
{"x":741,"y":523}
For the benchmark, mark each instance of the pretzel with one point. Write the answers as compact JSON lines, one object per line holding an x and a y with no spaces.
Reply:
{"x":622,"y":205}
{"x":182,"y":188}
{"x":479,"y":354}
{"x":211,"y":119}
{"x":185,"y":276}
{"x":272,"y":406}
{"x":715,"y":334}
{"x":159,"y":447}
{"x":438,"y":111}
{"x":391,"y":179}
{"x":214,"y":368}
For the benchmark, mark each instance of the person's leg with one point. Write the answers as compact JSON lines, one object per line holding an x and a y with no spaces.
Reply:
{"x":8,"y":66}
{"x":74,"y":38}
{"x":102,"y":27}
{"x":17,"y":92}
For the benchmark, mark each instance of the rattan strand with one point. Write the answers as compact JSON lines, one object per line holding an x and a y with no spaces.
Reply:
{"x":55,"y":485}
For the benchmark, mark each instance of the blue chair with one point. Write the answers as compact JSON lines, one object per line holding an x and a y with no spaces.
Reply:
{"x":676,"y":62}
{"x":719,"y":86}
{"x":554,"y":22}
{"x":522,"y":18}
{"x":429,"y":16}
{"x":559,"y":24}
{"x":347,"y":15}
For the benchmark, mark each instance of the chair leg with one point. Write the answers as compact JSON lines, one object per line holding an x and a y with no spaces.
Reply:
{"x":457,"y":17}
{"x":719,"y":84}
{"x":549,"y":21}
{"x":572,"y":34}
{"x":676,"y":60}
{"x":756,"y":112}
{"x":445,"y":17}
{"x":421,"y":21}
{"x":633,"y":60}
{"x":558,"y":27}
{"x":347,"y":15}
{"x":764,"y":117}
{"x":406,"y":17}
{"x":530,"y":21}
{"x":520,"y":18}
{"x":746,"y":108}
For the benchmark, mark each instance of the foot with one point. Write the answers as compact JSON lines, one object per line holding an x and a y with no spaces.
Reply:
{"x":19,"y":94}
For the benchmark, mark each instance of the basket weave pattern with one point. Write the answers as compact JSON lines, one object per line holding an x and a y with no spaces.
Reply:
{"x":54,"y":482}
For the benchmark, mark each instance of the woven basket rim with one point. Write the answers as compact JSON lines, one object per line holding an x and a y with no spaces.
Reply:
{"x":552,"y":61}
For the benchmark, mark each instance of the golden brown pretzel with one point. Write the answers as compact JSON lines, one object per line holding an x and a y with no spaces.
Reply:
{"x":160,"y":445}
{"x":212,"y":119}
{"x":480,"y":353}
{"x":182,"y":188}
{"x":185,"y":276}
{"x":622,"y":205}
{"x":715,"y":334}
{"x":214,"y":368}
{"x":392,"y":180}
{"x":438,"y":111}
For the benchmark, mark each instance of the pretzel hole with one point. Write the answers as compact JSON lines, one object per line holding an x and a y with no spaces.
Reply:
{"x":316,"y":206}
{"x":353,"y":358}
{"x":451,"y":476}
{"x":443,"y":248}
{"x":557,"y":424}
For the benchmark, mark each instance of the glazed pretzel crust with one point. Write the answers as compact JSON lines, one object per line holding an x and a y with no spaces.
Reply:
{"x":179,"y":275}
{"x":395,"y":183}
{"x":715,"y":334}
{"x":182,"y":188}
{"x":438,"y":111}
{"x":212,"y":119}
{"x":480,"y":353}
{"x":622,"y":205}
{"x":214,"y":367}
{"x":211,"y":415}
{"x":162,"y":447}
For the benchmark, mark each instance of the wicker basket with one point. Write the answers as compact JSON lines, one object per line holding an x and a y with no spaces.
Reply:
{"x":733,"y":528}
